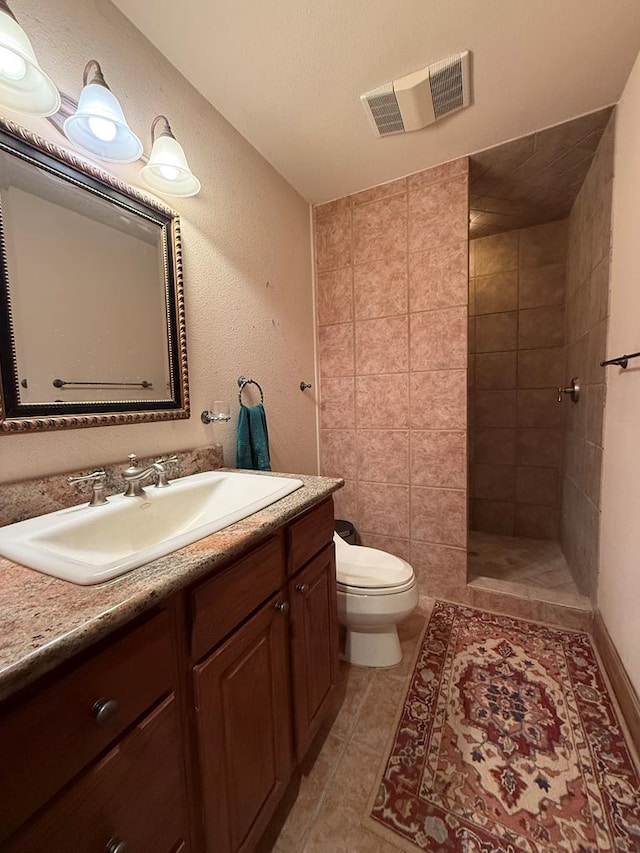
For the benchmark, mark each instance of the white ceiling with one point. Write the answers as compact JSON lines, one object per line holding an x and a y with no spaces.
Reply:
{"x":288,"y":73}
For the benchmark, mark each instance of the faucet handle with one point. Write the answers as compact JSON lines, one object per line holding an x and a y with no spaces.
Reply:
{"x":162,"y":480}
{"x":97,"y":480}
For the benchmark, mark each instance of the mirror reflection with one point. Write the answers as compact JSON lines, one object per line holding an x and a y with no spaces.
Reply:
{"x":88,"y":308}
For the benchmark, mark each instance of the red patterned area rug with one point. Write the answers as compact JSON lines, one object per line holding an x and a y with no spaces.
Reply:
{"x":508,"y":742}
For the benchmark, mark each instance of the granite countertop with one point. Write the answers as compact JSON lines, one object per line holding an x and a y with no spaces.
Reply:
{"x":44,"y":621}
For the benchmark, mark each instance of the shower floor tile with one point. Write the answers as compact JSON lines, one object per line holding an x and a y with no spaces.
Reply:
{"x":534,"y":568}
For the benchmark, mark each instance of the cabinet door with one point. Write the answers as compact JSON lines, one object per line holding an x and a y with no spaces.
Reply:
{"x":314,"y":645}
{"x":242,"y":702}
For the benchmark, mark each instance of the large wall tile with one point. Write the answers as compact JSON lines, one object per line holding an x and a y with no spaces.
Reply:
{"x":438,"y":278}
{"x":543,"y":244}
{"x":380,"y":288}
{"x":383,"y":456}
{"x":438,"y":339}
{"x":496,"y":332}
{"x":337,"y":403}
{"x":400,"y":547}
{"x":494,"y":482}
{"x":439,"y":515}
{"x":541,"y":286}
{"x":382,"y":191}
{"x":538,"y":485}
{"x":438,"y":214}
{"x":335,"y":296}
{"x":338,"y":453}
{"x":382,"y":345}
{"x":333,"y":241}
{"x":539,"y":408}
{"x":438,"y":399}
{"x":540,"y":368}
{"x":493,"y":517}
{"x":541,"y":327}
{"x":453,"y":169}
{"x":438,"y":458}
{"x":380,"y":229}
{"x":496,"y":293}
{"x":495,"y":408}
{"x":494,"y":371}
{"x":336,"y":350}
{"x":346,"y":502}
{"x":384,"y":509}
{"x":495,"y":446}
{"x":382,"y":401}
{"x":539,"y":447}
{"x":498,"y":253}
{"x":440,"y":569}
{"x":537,"y":522}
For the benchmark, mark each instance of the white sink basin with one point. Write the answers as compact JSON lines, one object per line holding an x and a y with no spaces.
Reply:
{"x":88,"y":545}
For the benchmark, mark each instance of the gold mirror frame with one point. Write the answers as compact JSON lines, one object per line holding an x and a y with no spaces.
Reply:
{"x":43,"y":154}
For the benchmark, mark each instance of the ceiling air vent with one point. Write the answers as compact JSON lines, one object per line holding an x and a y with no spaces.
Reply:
{"x":419,"y":99}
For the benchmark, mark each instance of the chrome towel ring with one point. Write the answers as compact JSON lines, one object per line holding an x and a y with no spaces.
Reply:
{"x":242,"y":381}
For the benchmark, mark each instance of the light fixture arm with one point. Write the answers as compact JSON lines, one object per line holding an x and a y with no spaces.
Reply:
{"x":4,"y":7}
{"x":166,"y":130}
{"x":94,"y":65}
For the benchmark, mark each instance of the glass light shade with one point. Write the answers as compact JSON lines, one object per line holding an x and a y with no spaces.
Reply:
{"x":99,"y":127}
{"x":24,"y":87}
{"x":168,"y":171}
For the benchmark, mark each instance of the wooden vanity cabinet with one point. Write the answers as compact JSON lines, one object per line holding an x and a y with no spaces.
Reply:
{"x":181,"y":732}
{"x":263,"y":693}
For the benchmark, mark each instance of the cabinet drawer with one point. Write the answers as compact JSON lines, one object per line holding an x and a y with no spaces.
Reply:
{"x":134,"y":795}
{"x":309,"y":535}
{"x":48,"y":739}
{"x":223,"y":602}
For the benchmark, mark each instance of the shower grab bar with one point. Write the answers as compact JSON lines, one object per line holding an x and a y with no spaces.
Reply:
{"x":622,"y":361}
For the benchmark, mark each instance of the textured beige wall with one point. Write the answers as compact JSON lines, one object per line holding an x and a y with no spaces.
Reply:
{"x":588,"y":264}
{"x":247,"y":255}
{"x":516,"y":338}
{"x":619,"y":579}
{"x":392,"y":329}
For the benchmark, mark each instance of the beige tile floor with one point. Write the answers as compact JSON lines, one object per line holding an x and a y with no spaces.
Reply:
{"x":327,"y":816}
{"x":511,"y":564}
{"x":329,"y":812}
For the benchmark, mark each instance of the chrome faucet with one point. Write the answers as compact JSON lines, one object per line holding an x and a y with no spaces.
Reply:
{"x":134,"y":475}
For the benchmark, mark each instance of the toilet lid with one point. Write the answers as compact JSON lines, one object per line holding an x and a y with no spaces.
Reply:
{"x":368,"y":568}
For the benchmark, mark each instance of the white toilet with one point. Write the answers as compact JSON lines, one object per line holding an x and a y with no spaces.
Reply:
{"x":375,"y":591}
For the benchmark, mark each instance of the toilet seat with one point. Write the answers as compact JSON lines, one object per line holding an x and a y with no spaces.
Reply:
{"x":368,"y":571}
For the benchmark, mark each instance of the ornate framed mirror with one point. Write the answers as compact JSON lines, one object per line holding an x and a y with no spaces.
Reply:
{"x":92,"y":325}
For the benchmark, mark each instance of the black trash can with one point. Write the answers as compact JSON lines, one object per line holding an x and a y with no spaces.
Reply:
{"x":346,"y":530}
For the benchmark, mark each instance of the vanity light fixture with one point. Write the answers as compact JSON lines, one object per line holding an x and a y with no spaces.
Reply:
{"x":167,"y":170}
{"x":98,"y":126}
{"x":24,"y":87}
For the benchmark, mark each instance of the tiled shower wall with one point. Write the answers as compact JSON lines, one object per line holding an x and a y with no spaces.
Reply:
{"x":392,"y":273}
{"x":516,"y":363}
{"x":586,"y":331}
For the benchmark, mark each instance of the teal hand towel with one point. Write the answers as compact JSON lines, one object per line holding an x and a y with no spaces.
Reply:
{"x":253,"y":439}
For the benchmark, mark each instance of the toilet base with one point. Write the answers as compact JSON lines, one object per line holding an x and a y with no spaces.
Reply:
{"x":378,"y":647}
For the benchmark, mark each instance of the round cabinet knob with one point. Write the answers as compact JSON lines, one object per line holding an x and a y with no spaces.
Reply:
{"x":282,"y":607}
{"x":103,"y":709}
{"x":115,"y":846}
{"x":302,"y":588}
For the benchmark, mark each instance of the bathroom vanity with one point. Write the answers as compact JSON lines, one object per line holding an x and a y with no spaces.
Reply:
{"x":177,"y":700}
